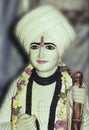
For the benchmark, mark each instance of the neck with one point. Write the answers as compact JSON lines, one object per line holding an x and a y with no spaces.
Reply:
{"x":45,"y":74}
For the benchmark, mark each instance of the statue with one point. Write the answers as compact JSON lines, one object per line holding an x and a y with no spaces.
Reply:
{"x":41,"y":98}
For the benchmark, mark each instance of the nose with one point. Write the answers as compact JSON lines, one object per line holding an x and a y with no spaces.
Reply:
{"x":41,"y":52}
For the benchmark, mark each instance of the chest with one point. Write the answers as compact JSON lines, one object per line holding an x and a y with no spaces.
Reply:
{"x":42,"y":97}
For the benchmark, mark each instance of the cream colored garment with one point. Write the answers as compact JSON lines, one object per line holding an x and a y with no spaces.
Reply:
{"x":41,"y":101}
{"x":5,"y":111}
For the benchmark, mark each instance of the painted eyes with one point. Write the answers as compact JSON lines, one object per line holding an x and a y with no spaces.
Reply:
{"x":48,"y":46}
{"x":34,"y":47}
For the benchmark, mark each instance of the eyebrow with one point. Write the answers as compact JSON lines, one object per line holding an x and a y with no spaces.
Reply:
{"x":46,"y":43}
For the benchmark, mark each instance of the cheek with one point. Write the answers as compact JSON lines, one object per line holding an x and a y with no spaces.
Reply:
{"x":55,"y":56}
{"x":33,"y":55}
{"x":32,"y":58}
{"x":55,"y":60}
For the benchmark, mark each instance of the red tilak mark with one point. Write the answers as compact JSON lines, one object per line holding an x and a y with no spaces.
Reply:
{"x":42,"y":42}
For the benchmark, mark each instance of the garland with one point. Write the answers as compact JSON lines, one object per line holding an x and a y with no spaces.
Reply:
{"x":62,"y":114}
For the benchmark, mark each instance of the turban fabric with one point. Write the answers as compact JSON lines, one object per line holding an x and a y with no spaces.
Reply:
{"x":48,"y":22}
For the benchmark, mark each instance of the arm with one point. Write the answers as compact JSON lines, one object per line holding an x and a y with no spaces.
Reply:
{"x":80,"y":96}
{"x":77,"y":106}
{"x":5,"y":110}
{"x":80,"y":103}
{"x":85,"y":125}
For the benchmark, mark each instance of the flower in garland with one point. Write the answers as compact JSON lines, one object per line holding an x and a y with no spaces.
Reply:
{"x":16,"y":105}
{"x":66,"y":80}
{"x":17,"y":99}
{"x":60,"y":125}
{"x":14,"y":122}
{"x":62,"y":112}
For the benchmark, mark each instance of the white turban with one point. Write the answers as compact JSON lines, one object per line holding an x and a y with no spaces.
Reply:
{"x":48,"y":22}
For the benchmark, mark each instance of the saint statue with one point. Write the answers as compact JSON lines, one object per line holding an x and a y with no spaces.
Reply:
{"x":42,"y":97}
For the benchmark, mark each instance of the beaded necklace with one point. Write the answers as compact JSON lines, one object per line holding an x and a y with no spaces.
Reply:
{"x":62,"y":114}
{"x":45,"y":81}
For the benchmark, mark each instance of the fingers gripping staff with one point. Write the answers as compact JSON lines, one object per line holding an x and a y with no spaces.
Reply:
{"x":77,"y":104}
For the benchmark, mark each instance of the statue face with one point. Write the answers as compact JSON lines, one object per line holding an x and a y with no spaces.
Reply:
{"x":44,"y":56}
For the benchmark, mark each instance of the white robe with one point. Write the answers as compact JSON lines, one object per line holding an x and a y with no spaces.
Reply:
{"x":42,"y":112}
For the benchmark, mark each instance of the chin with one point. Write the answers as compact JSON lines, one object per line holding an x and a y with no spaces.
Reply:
{"x":45,"y":67}
{"x":42,"y":69}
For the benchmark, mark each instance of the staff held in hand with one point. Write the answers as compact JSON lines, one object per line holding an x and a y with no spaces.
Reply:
{"x":77,"y":103}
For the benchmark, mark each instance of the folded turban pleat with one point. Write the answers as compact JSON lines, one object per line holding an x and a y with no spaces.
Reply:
{"x":48,"y":22}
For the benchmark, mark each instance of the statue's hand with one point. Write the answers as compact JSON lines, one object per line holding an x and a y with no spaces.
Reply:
{"x":26,"y":122}
{"x":79,"y":94}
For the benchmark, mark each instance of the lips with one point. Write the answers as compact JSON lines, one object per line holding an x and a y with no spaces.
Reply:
{"x":42,"y":61}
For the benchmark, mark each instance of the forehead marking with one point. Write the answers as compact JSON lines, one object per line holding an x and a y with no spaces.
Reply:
{"x":42,"y":42}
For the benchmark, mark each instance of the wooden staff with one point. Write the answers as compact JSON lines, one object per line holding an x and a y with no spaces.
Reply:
{"x":77,"y":107}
